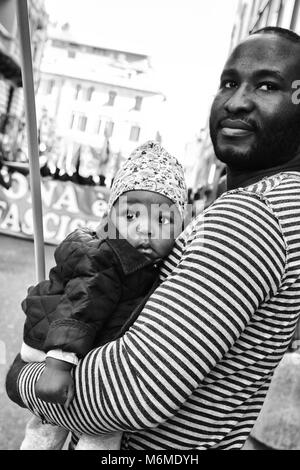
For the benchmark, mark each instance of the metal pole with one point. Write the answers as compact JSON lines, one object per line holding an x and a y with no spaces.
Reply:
{"x":33,"y":152}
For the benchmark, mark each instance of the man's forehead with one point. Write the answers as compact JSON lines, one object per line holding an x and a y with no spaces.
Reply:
{"x":266,"y":50}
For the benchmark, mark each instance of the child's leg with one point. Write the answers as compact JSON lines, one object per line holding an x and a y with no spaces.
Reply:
{"x":104,"y":442}
{"x":74,"y":440}
{"x":39,"y":436}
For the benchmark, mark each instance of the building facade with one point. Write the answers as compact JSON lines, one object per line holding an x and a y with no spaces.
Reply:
{"x":255,"y":14}
{"x":96,"y":102}
{"x":12,"y":123}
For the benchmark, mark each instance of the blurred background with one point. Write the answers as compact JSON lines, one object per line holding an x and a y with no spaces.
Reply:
{"x":109,"y":75}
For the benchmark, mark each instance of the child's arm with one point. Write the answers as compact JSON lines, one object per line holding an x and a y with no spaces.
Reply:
{"x":67,"y":311}
{"x":56,"y":385}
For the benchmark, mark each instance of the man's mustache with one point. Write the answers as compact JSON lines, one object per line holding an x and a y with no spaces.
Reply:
{"x":239,"y":117}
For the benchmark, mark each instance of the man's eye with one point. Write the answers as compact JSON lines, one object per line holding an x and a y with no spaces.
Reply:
{"x":228,"y":84}
{"x":268,"y":87}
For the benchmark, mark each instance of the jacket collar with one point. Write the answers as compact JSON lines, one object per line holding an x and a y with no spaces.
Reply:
{"x":131,"y":260}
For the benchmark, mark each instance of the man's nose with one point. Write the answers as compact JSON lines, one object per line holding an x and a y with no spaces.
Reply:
{"x":240,"y":101}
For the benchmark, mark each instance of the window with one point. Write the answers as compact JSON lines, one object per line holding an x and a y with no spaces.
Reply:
{"x":111,"y":98}
{"x":158,"y":137}
{"x":49,"y":84}
{"x":98,"y":126}
{"x":138,"y":103}
{"x":77,"y":92}
{"x":72,"y":121}
{"x":87,"y":93}
{"x":71,"y":53}
{"x":134,"y":133}
{"x":109,"y":128}
{"x":82,"y":122}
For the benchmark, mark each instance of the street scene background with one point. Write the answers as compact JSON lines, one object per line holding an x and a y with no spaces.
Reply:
{"x":16,"y":274}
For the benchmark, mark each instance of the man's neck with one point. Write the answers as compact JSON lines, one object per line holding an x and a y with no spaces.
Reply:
{"x":243,"y":178}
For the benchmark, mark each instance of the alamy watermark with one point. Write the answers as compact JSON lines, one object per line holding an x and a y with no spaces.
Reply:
{"x":296,"y":94}
{"x":149,"y":214}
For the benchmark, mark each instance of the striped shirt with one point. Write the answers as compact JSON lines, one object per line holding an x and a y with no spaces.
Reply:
{"x":194,"y":369}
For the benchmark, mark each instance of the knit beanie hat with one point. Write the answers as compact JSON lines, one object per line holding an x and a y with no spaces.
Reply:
{"x":151,"y":168}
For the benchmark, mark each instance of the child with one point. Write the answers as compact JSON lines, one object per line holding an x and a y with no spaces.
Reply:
{"x":98,"y":281}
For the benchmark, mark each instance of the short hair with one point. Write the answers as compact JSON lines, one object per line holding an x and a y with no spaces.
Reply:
{"x":286,"y":33}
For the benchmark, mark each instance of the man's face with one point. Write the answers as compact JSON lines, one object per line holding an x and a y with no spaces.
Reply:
{"x":254,"y":123}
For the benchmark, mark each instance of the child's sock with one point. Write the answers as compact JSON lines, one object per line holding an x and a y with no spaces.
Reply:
{"x":39,"y":436}
{"x":104,"y":442}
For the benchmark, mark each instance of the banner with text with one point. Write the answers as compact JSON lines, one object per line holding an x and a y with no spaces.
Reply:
{"x":66,"y":206}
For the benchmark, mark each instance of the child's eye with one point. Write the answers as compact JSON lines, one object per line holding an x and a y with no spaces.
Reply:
{"x":131,"y":215}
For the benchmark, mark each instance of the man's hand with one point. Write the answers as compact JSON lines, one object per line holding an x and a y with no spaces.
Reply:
{"x":56,"y":385}
{"x":11,"y":382}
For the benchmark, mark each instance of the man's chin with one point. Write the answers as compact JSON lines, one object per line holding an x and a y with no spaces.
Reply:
{"x":234,"y":157}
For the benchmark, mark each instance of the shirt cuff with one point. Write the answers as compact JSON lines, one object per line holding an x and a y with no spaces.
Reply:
{"x":63,"y":356}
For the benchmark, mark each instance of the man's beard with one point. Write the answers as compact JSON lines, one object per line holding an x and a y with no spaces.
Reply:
{"x":272,"y":148}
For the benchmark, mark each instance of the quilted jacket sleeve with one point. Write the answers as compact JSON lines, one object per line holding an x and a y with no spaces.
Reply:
{"x":91,"y":292}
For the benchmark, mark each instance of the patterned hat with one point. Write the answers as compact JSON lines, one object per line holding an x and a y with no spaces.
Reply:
{"x":151,"y":168}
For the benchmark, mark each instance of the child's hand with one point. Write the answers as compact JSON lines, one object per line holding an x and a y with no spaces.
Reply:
{"x":56,"y":384}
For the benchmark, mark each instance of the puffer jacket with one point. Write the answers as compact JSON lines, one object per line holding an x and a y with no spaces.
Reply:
{"x":90,"y":295}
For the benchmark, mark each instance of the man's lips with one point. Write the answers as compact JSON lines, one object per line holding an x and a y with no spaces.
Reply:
{"x":236,"y":128}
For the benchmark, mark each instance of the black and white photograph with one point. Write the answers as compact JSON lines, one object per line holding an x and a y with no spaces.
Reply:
{"x":149,"y":228}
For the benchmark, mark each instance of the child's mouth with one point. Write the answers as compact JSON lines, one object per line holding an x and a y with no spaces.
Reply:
{"x":147,"y":251}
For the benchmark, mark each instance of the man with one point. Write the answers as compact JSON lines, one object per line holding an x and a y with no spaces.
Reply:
{"x":193,"y":371}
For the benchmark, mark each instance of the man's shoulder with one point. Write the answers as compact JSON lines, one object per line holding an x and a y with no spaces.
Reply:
{"x":278,"y":182}
{"x":274,"y":190}
{"x":281,"y":193}
{"x":257,"y":203}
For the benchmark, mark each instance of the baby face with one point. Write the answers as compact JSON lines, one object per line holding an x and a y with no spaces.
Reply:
{"x":149,"y":221}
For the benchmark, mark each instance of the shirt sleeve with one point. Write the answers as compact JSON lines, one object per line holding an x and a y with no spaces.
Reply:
{"x":63,"y":356}
{"x":232,"y":262}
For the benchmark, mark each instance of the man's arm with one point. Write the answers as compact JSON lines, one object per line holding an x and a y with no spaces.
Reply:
{"x":231,"y":265}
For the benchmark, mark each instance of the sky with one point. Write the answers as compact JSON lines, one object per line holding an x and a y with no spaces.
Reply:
{"x":188,"y":41}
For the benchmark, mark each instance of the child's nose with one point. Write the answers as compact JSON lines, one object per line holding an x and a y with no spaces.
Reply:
{"x":144,"y":228}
